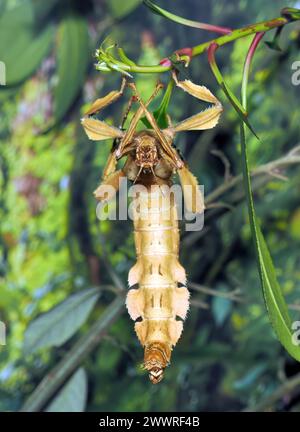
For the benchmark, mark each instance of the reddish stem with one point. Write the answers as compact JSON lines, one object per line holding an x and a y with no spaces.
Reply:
{"x":257,"y":38}
{"x":211,"y":52}
{"x":181,"y":52}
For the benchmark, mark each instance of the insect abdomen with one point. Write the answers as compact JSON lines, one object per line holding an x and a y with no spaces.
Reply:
{"x":158,"y":303}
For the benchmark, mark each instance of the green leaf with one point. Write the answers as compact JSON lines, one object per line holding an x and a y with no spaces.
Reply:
{"x":275,"y":302}
{"x":274,"y":299}
{"x":161,"y":113}
{"x":22,"y":46}
{"x":242,"y":113}
{"x":72,"y":60}
{"x":124,"y":58}
{"x":172,"y":17}
{"x":120,"y":9}
{"x":55,"y":327}
{"x":72,"y":397}
{"x":236,"y":105}
{"x":180,"y":20}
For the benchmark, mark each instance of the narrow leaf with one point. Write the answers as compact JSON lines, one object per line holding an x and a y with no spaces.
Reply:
{"x":124,"y":57}
{"x":72,"y":397}
{"x":226,"y":89}
{"x":275,"y":302}
{"x":162,"y":12}
{"x":72,"y":60}
{"x":22,"y":46}
{"x":161,"y":113}
{"x":55,"y":327}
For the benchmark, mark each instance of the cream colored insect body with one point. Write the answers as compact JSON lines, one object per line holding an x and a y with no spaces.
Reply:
{"x":158,"y":299}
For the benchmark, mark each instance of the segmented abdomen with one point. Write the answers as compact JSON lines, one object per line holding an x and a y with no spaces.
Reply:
{"x":158,"y":305}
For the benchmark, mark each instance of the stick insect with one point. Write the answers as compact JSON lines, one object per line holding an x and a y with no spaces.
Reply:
{"x":158,"y":299}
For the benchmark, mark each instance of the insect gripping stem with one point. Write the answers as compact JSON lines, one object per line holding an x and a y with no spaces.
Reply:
{"x":158,"y":299}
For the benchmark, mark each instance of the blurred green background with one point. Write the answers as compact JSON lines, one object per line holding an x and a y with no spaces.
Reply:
{"x":53,"y":249}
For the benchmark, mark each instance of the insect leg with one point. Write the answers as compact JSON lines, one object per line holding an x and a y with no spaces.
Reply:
{"x":206,"y":119}
{"x":109,"y":187}
{"x":133,"y":124}
{"x":193,"y":197}
{"x":103,"y":102}
{"x":110,"y":180}
{"x":127,"y":111}
{"x":96,"y":129}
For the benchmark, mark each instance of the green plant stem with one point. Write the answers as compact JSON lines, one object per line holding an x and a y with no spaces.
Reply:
{"x":264,"y":26}
{"x":240,"y":33}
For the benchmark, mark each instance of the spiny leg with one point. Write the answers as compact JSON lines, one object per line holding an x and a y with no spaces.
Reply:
{"x":109,"y":187}
{"x":110,"y":180}
{"x":134,"y":121}
{"x":110,"y":175}
{"x":206,"y":119}
{"x":193,"y":197}
{"x":98,"y":130}
{"x":116,"y":142}
{"x":127,"y":111}
{"x":108,"y":99}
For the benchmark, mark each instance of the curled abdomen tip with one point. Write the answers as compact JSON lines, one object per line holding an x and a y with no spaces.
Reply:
{"x":157,"y":358}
